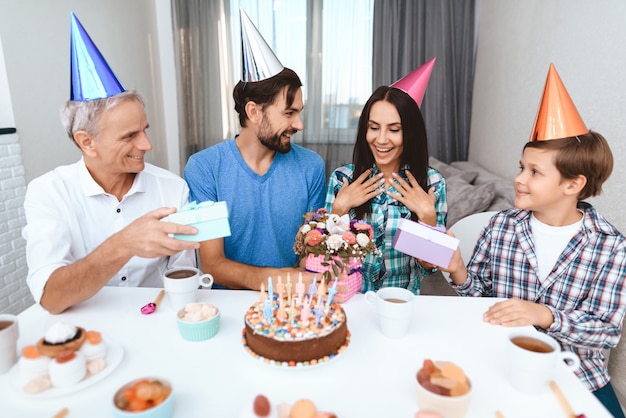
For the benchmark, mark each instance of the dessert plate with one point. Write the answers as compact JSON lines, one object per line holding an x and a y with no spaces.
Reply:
{"x":115,"y":354}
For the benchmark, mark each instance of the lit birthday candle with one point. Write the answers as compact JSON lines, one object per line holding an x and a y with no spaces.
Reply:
{"x":300,"y":288}
{"x":281,"y":314}
{"x":270,"y":287}
{"x":288,"y":285}
{"x":262,"y":294}
{"x":268,"y":312}
{"x":313,"y":287}
{"x":306,"y":310}
{"x":321,"y":290}
{"x":331,"y":294}
{"x":318,"y":316}
{"x":280,"y":287}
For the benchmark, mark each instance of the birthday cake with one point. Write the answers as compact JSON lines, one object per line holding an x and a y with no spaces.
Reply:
{"x":296,"y":328}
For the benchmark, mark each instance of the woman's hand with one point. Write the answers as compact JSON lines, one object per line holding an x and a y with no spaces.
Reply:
{"x":358,"y":192}
{"x":415,"y":198}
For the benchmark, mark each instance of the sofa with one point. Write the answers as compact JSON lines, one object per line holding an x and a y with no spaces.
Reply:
{"x":472,"y":188}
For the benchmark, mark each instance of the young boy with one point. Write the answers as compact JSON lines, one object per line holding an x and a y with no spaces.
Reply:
{"x":560,"y":263}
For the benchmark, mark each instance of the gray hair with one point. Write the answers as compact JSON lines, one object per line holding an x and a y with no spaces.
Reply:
{"x":85,"y":116}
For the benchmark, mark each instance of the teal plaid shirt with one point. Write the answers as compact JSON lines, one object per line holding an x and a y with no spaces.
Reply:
{"x":401,"y":270}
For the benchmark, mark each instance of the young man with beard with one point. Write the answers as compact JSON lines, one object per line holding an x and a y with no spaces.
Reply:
{"x":267,"y":182}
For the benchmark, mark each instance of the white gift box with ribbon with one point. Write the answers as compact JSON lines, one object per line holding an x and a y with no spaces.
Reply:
{"x":425,"y":242}
{"x":211,"y":219}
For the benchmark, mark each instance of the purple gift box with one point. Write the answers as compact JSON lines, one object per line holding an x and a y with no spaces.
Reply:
{"x":425,"y":242}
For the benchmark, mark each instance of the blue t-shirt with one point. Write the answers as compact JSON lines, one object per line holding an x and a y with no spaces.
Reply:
{"x":265,"y":211}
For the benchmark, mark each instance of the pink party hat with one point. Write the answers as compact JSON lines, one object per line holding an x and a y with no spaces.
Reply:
{"x":416,"y":82}
{"x":557,"y":116}
{"x":91,"y":76}
{"x":257,"y":58}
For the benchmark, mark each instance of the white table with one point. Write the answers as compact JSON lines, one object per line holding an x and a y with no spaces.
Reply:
{"x":374,"y":377}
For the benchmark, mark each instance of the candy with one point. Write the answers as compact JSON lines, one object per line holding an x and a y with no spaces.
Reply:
{"x":443,"y":378}
{"x":303,"y":408}
{"x":261,"y":406}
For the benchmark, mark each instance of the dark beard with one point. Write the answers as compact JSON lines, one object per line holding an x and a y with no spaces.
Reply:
{"x":272,"y":141}
{"x":275,"y":144}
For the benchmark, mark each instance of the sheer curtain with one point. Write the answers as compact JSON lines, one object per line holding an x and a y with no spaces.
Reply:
{"x":204,"y":65}
{"x":341,"y":50}
{"x":327,"y":42}
{"x":408,"y":33}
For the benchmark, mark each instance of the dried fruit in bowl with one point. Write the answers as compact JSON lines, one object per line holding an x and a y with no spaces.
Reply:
{"x":443,"y":378}
{"x":142,"y":394}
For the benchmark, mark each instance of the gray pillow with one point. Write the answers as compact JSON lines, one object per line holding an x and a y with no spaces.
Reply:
{"x":465,"y":199}
{"x":447,"y":171}
{"x":504,"y":188}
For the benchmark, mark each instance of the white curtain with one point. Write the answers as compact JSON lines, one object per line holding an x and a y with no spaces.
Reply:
{"x":327,"y":42}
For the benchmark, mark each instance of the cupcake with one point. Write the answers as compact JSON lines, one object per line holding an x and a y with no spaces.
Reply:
{"x":32,"y":365}
{"x":59,"y":337}
{"x":93,"y":347}
{"x":68,"y":368}
{"x":95,"y":352}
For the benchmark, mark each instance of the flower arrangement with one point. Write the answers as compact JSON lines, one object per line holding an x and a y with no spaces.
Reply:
{"x":336,"y":241}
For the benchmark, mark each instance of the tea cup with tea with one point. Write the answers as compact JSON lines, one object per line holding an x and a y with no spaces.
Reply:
{"x":532,"y":358}
{"x":9,"y":334}
{"x":394,"y":310}
{"x":181,"y":284}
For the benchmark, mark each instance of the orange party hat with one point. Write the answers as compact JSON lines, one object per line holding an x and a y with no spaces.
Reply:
{"x":557,"y":116}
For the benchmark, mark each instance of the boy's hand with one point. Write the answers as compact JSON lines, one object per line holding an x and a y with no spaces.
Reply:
{"x":517,"y":313}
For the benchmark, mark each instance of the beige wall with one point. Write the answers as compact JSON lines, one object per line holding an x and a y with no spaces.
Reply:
{"x":35,"y":36}
{"x":517,"y":40}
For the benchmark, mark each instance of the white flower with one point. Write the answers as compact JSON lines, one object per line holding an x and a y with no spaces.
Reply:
{"x":334,"y":242}
{"x":362,"y":239}
{"x":306,"y":228}
{"x":321,"y":225}
{"x":338,"y":224}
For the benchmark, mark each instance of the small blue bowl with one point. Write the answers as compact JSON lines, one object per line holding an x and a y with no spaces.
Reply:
{"x":198,"y":331}
{"x":163,"y":410}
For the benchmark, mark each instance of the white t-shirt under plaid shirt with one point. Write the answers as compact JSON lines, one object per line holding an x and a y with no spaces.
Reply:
{"x":585,"y":290}
{"x":391,"y":268}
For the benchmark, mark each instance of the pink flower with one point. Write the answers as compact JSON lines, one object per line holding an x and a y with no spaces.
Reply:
{"x":349,"y":237}
{"x":362,"y":226}
{"x":313,"y":237}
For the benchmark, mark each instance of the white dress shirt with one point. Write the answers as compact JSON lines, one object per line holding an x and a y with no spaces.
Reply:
{"x":68,"y":215}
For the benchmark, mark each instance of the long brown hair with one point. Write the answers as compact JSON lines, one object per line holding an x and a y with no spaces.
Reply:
{"x":415,"y":142}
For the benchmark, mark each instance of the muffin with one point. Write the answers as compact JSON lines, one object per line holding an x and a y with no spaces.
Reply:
{"x":59,"y":337}
{"x":32,"y":365}
{"x":68,"y":368}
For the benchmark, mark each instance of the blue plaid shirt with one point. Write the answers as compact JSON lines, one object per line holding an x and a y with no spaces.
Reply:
{"x":400,"y":270}
{"x":585,"y":289}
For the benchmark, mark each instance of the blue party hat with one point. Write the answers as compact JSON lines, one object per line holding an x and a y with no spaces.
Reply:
{"x":91,"y":76}
{"x":257,"y":58}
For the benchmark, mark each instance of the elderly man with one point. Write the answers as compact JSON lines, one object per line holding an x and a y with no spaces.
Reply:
{"x":98,"y":221}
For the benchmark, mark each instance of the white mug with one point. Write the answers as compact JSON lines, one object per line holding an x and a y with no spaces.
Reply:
{"x":181,"y":284}
{"x":394,"y":310}
{"x":9,"y":333}
{"x":532,"y":358}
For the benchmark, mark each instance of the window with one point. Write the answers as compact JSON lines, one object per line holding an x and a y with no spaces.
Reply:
{"x":329,"y":44}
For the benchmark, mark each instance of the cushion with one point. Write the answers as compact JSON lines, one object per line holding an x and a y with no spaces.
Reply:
{"x":465,"y":199}
{"x":504,"y":188}
{"x":447,"y":171}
